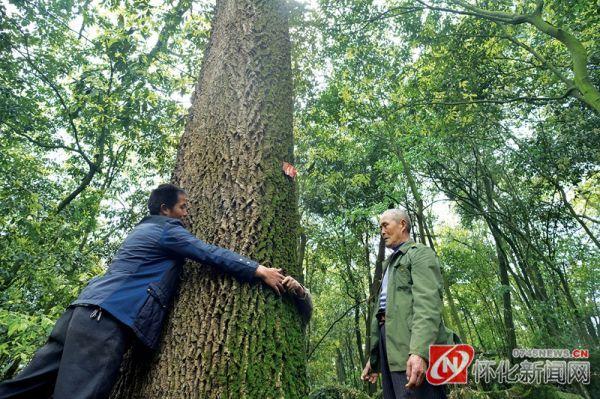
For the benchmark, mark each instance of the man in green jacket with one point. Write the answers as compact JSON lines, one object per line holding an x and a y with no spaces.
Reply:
{"x":408,"y":314}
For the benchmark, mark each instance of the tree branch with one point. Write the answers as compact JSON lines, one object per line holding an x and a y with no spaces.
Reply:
{"x":332,"y":325}
{"x":391,"y":13}
{"x":84,"y":183}
{"x":543,"y":61}
{"x":42,"y":144}
{"x":590,"y":95}
{"x":527,"y":99}
{"x":171,"y":21}
{"x":493,"y":16}
{"x":591,"y":219}
{"x":56,"y":91}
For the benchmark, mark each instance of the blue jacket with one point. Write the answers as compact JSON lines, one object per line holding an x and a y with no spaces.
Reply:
{"x":144,"y":274}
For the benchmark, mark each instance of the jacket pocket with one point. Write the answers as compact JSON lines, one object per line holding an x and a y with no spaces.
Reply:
{"x":157,"y":292}
{"x":402,"y":278}
{"x":151,"y":315}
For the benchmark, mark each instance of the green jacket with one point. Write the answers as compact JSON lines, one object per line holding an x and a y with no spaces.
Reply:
{"x":413,"y":318}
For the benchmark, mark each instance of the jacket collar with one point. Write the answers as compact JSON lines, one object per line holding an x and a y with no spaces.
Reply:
{"x":159,"y":219}
{"x":405,"y":246}
{"x":403,"y":249}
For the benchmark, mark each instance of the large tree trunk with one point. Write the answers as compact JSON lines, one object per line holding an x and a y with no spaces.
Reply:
{"x":225,"y":339}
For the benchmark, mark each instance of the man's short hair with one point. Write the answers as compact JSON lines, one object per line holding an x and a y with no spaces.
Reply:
{"x":399,"y":215}
{"x":167,"y":194}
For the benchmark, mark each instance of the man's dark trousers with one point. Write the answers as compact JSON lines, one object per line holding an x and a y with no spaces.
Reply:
{"x":81,"y":359}
{"x":394,"y":381}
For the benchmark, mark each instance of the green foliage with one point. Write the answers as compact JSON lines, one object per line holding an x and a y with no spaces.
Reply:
{"x":21,"y":335}
{"x":90,"y":115}
{"x":518,"y":391}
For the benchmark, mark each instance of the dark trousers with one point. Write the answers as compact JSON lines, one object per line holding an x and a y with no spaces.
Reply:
{"x":394,"y":381}
{"x":81,"y":359}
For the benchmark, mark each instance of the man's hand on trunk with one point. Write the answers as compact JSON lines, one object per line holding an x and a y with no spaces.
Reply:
{"x":272,"y":277}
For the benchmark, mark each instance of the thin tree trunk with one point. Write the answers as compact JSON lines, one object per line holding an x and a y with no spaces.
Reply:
{"x":425,"y":231}
{"x":225,"y":339}
{"x":301,"y":253}
{"x":359,"y":343}
{"x":468,"y":317}
{"x":585,"y":325}
{"x":339,"y":366}
{"x":579,"y":220}
{"x":503,"y":273}
{"x":378,"y":274}
{"x":350,"y":356}
{"x":373,"y":291}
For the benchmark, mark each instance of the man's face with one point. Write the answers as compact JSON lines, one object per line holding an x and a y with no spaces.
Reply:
{"x":178,"y":211}
{"x":392,"y":231}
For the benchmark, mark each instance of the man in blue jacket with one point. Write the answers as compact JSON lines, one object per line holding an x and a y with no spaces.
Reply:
{"x":84,"y":351}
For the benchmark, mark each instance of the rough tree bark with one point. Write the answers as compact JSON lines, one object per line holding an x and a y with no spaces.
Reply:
{"x":225,"y":339}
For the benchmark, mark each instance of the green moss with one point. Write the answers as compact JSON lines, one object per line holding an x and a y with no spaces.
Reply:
{"x":516,"y":392}
{"x":337,"y":392}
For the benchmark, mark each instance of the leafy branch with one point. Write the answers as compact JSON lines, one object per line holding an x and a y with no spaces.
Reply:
{"x":588,"y":93}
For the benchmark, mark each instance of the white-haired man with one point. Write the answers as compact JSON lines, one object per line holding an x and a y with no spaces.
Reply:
{"x":408,"y":314}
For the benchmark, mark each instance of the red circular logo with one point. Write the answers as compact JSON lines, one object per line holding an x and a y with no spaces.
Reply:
{"x":448,"y":363}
